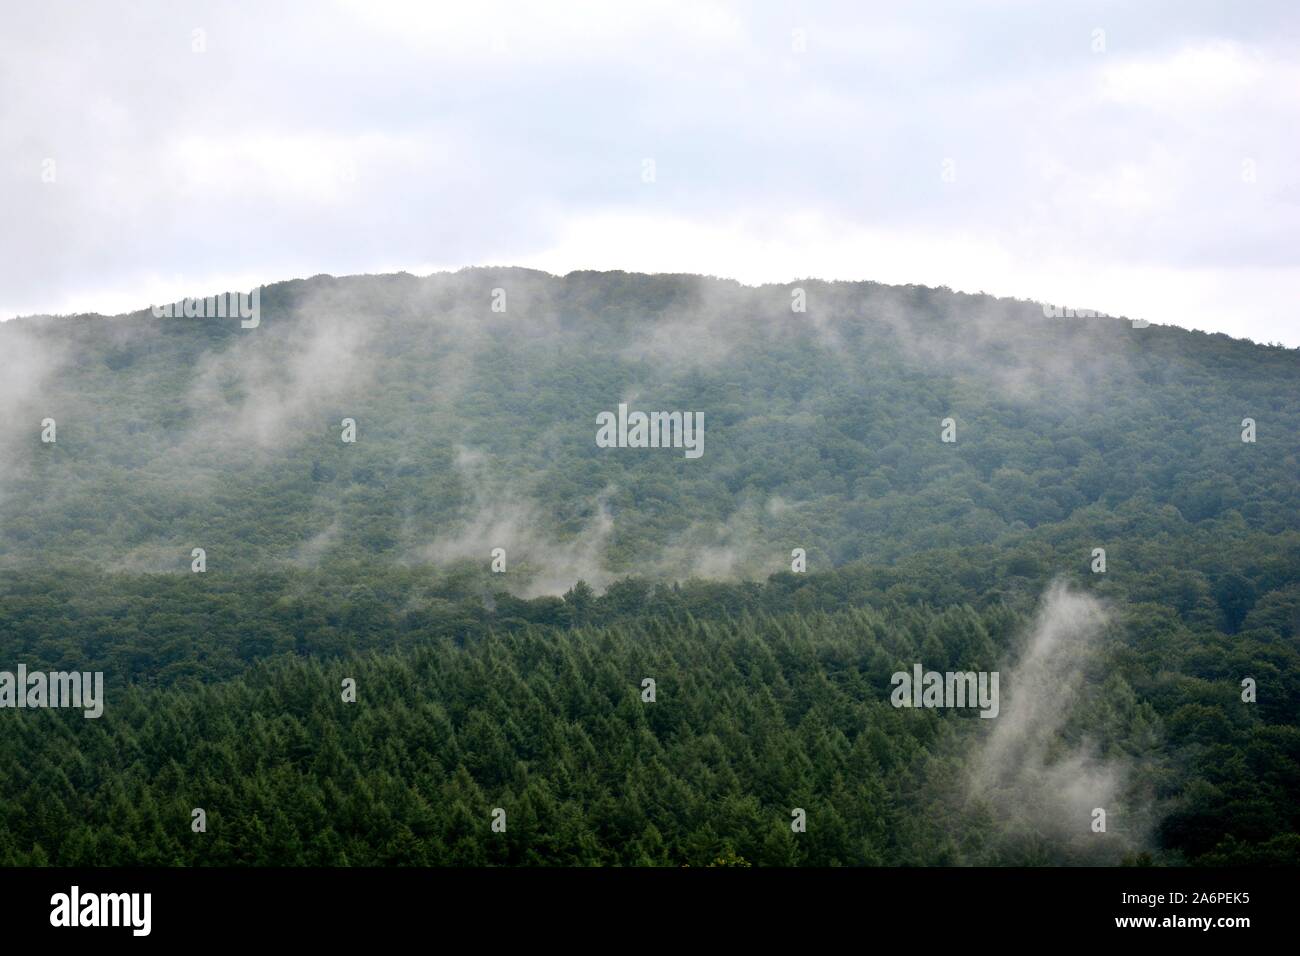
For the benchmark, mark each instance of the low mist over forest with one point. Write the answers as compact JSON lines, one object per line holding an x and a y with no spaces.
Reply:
{"x":475,"y":429}
{"x":890,"y":476}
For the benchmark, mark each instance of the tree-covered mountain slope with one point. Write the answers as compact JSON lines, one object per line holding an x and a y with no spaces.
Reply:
{"x":1104,"y":513}
{"x":754,"y":717}
{"x":476,"y":428}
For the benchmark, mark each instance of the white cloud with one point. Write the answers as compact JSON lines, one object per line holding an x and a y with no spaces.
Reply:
{"x":370,"y":136}
{"x":1198,"y":77}
{"x":295,"y":167}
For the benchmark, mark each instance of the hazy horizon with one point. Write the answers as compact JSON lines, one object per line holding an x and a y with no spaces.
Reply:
{"x":202,"y":293}
{"x":1089,"y":155}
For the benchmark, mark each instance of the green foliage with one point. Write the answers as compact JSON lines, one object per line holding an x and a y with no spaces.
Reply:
{"x":754,"y":714}
{"x":479,"y":690}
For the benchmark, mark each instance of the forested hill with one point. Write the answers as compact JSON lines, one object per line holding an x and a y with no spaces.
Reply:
{"x":1114,"y":527}
{"x":476,"y":395}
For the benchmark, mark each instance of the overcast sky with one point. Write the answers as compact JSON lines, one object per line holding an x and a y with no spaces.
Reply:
{"x":1135,"y":158}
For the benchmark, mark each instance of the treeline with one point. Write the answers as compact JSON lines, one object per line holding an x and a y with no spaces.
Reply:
{"x":1164,"y":577}
{"x":751,"y":720}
